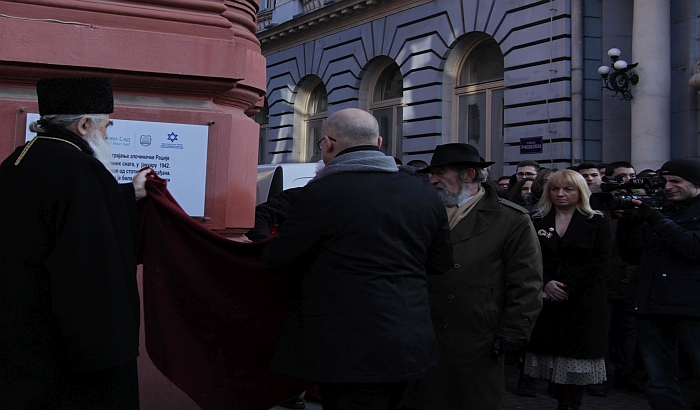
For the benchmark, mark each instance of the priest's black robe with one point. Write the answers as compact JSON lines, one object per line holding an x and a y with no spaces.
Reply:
{"x":69,"y":306}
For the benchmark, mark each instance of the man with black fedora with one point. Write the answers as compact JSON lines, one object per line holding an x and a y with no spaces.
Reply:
{"x":665,"y":289}
{"x":69,"y":304}
{"x":486,"y":305}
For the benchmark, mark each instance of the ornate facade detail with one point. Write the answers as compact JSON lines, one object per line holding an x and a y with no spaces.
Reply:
{"x":311,"y":5}
{"x":694,"y":81}
{"x":264,"y":19}
{"x":317,"y":13}
{"x":202,"y":13}
{"x":243,"y":15}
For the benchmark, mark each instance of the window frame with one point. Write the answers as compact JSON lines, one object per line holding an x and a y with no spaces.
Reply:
{"x":307,"y":91}
{"x":394,"y":103}
{"x":488,"y":87}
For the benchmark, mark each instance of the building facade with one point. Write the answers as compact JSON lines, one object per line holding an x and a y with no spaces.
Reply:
{"x":517,"y":79}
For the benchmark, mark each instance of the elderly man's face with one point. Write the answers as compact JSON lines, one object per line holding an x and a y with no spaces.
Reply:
{"x":592,"y":176}
{"x":678,"y":189}
{"x":102,"y":127}
{"x":445,"y":179}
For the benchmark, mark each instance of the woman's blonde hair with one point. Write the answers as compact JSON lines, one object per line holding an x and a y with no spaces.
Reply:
{"x":566,"y":177}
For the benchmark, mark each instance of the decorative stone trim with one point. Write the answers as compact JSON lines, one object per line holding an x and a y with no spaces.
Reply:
{"x":694,"y":81}
{"x":316,"y":13}
{"x":200,"y":12}
{"x":311,"y":5}
{"x":265,"y":19}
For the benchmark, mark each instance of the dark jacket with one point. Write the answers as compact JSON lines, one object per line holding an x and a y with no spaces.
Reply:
{"x":619,"y":274}
{"x":494,"y":289}
{"x":362,"y":243}
{"x":576,"y":327}
{"x":667,"y":281}
{"x":69,"y":302}
{"x":271,"y":214}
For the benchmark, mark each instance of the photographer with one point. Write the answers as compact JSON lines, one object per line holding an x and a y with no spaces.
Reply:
{"x":666,"y":290}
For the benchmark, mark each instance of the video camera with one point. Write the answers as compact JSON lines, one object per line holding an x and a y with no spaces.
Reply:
{"x":619,"y":195}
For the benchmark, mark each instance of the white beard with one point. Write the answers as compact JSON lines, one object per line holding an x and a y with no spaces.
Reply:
{"x":100,"y":146}
{"x":450,"y":199}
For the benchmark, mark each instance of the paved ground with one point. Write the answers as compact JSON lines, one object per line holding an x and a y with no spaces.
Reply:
{"x":616,"y":399}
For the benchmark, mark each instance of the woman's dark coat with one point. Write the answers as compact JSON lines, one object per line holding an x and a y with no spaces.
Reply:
{"x":576,"y":327}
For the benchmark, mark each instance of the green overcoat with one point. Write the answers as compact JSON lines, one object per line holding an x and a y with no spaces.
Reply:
{"x":494,"y":289}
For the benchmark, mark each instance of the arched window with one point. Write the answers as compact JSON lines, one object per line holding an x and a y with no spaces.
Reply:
{"x":385,"y":104}
{"x":479,"y":94}
{"x":263,"y":118}
{"x":316,"y":111}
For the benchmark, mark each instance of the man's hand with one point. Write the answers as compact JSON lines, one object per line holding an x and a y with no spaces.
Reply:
{"x":139,"y":182}
{"x":555,"y":291}
{"x":241,"y":239}
{"x":650,"y":214}
{"x":504,"y":345}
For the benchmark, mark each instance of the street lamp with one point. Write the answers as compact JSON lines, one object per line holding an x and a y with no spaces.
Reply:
{"x":619,"y":75}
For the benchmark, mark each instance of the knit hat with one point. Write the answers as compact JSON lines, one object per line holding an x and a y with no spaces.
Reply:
{"x":76,"y":95}
{"x":686,"y":168}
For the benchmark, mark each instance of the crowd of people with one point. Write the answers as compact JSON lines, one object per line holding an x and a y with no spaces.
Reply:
{"x":410,"y":289}
{"x":630,"y":340}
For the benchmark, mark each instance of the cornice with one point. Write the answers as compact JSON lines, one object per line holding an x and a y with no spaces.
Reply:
{"x":329,"y":19}
{"x":187,"y":11}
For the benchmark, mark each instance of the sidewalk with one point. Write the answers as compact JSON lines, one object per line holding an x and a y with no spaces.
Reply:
{"x":616,"y":400}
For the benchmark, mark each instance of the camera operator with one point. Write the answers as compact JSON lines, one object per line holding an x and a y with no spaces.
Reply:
{"x":666,"y":290}
{"x":621,"y":169}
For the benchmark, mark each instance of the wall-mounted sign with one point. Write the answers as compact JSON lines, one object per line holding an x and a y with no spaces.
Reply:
{"x":531,"y":145}
{"x":177,"y":152}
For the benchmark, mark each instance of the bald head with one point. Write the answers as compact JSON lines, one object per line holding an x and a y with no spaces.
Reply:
{"x":352,"y":127}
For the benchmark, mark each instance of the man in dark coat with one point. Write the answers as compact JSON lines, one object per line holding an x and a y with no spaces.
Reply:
{"x":486,"y":305}
{"x":69,"y":305}
{"x":361,"y":237}
{"x":666,"y":287}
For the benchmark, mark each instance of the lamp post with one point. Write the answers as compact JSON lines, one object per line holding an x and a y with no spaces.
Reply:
{"x":619,"y":75}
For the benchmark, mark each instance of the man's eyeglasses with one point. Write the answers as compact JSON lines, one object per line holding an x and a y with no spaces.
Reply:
{"x":526,"y":174}
{"x":320,"y":142}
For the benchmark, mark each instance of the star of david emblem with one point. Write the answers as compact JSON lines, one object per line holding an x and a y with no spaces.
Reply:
{"x":172,"y":137}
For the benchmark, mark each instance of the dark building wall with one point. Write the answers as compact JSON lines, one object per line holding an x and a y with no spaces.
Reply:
{"x":616,"y":23}
{"x":592,"y":59}
{"x":684,"y":99}
{"x":534,"y":37}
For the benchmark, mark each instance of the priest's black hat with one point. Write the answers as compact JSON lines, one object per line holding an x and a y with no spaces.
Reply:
{"x":75,"y":95}
{"x":456,"y":154}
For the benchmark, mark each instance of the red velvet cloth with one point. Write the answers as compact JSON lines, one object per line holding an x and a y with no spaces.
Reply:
{"x":213,"y":312}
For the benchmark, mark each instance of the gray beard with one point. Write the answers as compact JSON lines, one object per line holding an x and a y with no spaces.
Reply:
{"x":101,"y":148}
{"x":450,"y":199}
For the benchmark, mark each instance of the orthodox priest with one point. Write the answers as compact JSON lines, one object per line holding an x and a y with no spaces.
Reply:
{"x":69,"y":305}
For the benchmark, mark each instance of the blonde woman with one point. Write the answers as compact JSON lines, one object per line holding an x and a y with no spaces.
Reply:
{"x":569,"y":341}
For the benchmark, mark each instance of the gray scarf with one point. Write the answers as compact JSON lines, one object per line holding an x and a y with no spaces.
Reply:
{"x":358,"y":161}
